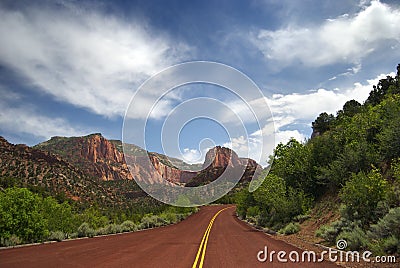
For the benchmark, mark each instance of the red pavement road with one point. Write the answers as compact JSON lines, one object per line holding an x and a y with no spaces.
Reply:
{"x":231,"y":243}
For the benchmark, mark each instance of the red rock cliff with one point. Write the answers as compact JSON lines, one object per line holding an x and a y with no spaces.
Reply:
{"x":221,"y":157}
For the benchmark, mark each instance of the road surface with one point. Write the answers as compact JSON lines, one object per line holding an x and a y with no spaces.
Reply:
{"x":213,"y":237}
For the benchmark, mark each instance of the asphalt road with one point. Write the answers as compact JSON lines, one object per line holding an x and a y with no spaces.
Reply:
{"x":202,"y":240}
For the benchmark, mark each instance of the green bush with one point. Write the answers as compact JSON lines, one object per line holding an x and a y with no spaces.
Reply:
{"x":113,"y":228}
{"x":94,"y":218}
{"x":128,"y":226}
{"x":330,"y":232}
{"x":59,"y":217}
{"x":11,"y":241}
{"x":101,"y":231}
{"x":386,"y":233}
{"x":253,"y":211}
{"x":301,"y":218}
{"x":356,"y":238}
{"x":85,"y":230}
{"x":362,"y":194}
{"x":388,"y":225}
{"x":150,"y":221}
{"x":20,"y":215}
{"x":291,"y":228}
{"x":56,"y":236}
{"x":391,"y":245}
{"x":169,"y":217}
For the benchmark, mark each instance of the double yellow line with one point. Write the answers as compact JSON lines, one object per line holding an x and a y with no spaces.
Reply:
{"x":203,"y":244}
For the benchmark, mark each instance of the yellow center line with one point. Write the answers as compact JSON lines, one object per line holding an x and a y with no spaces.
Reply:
{"x":204,"y":240}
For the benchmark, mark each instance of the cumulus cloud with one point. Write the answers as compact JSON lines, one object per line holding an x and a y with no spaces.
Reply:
{"x":86,"y":58}
{"x":347,"y":38}
{"x":192,"y":156}
{"x":305,"y":107}
{"x":297,"y":109}
{"x":27,"y":120}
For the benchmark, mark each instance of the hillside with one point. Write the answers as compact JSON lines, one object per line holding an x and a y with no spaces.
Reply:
{"x":104,"y":160}
{"x":46,"y":172}
{"x":352,"y":160}
{"x":218,"y":160}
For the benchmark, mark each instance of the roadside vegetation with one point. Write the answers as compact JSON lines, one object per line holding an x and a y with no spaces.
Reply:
{"x":28,"y":217}
{"x":354,"y":155}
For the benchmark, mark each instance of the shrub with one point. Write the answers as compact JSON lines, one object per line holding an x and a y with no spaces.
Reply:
{"x":128,"y":226}
{"x":253,"y":211}
{"x":330,"y":232}
{"x":386,"y":233}
{"x":113,"y":228}
{"x":11,"y":241}
{"x":20,"y":215}
{"x":356,"y":239}
{"x":291,"y":228}
{"x":388,"y":225}
{"x":56,"y":236}
{"x":362,"y":194}
{"x":150,"y":221}
{"x":301,"y":218}
{"x":391,"y":245}
{"x":169,"y":217}
{"x":101,"y":231}
{"x":85,"y":230}
{"x":72,"y":235}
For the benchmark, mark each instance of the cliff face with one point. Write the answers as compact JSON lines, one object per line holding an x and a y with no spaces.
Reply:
{"x":170,"y":173}
{"x":221,"y":157}
{"x":104,"y":160}
{"x":93,"y":154}
{"x":98,"y":149}
{"x":218,"y":159}
{"x":38,"y":169}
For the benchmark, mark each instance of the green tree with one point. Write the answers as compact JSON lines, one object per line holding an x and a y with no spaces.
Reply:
{"x":350,"y":108}
{"x":20,"y":215}
{"x":323,"y":123}
{"x":94,"y":218}
{"x":361,"y":195}
{"x":292,"y":162}
{"x":60,"y":217}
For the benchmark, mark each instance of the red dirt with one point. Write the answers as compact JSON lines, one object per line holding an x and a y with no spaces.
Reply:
{"x":232,"y":243}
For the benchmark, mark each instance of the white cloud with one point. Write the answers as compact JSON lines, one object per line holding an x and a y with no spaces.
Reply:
{"x":85,"y":58}
{"x":343,"y":39}
{"x":290,"y":108}
{"x":27,"y":120}
{"x":192,"y":156}
{"x":301,"y":109}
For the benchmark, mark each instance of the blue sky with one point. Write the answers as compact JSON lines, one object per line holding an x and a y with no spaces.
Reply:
{"x":70,"y":68}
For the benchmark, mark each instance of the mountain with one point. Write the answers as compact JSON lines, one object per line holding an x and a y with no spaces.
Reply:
{"x":104,"y":160}
{"x":93,"y":154}
{"x":92,"y":169}
{"x":46,"y":172}
{"x":220,"y":159}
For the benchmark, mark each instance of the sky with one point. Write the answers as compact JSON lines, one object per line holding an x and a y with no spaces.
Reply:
{"x":71,"y":68}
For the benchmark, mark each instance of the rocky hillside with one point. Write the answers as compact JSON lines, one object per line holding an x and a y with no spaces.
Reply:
{"x":44,"y":171}
{"x":92,"y":169}
{"x":217,"y":160}
{"x":93,"y":154}
{"x":104,"y":160}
